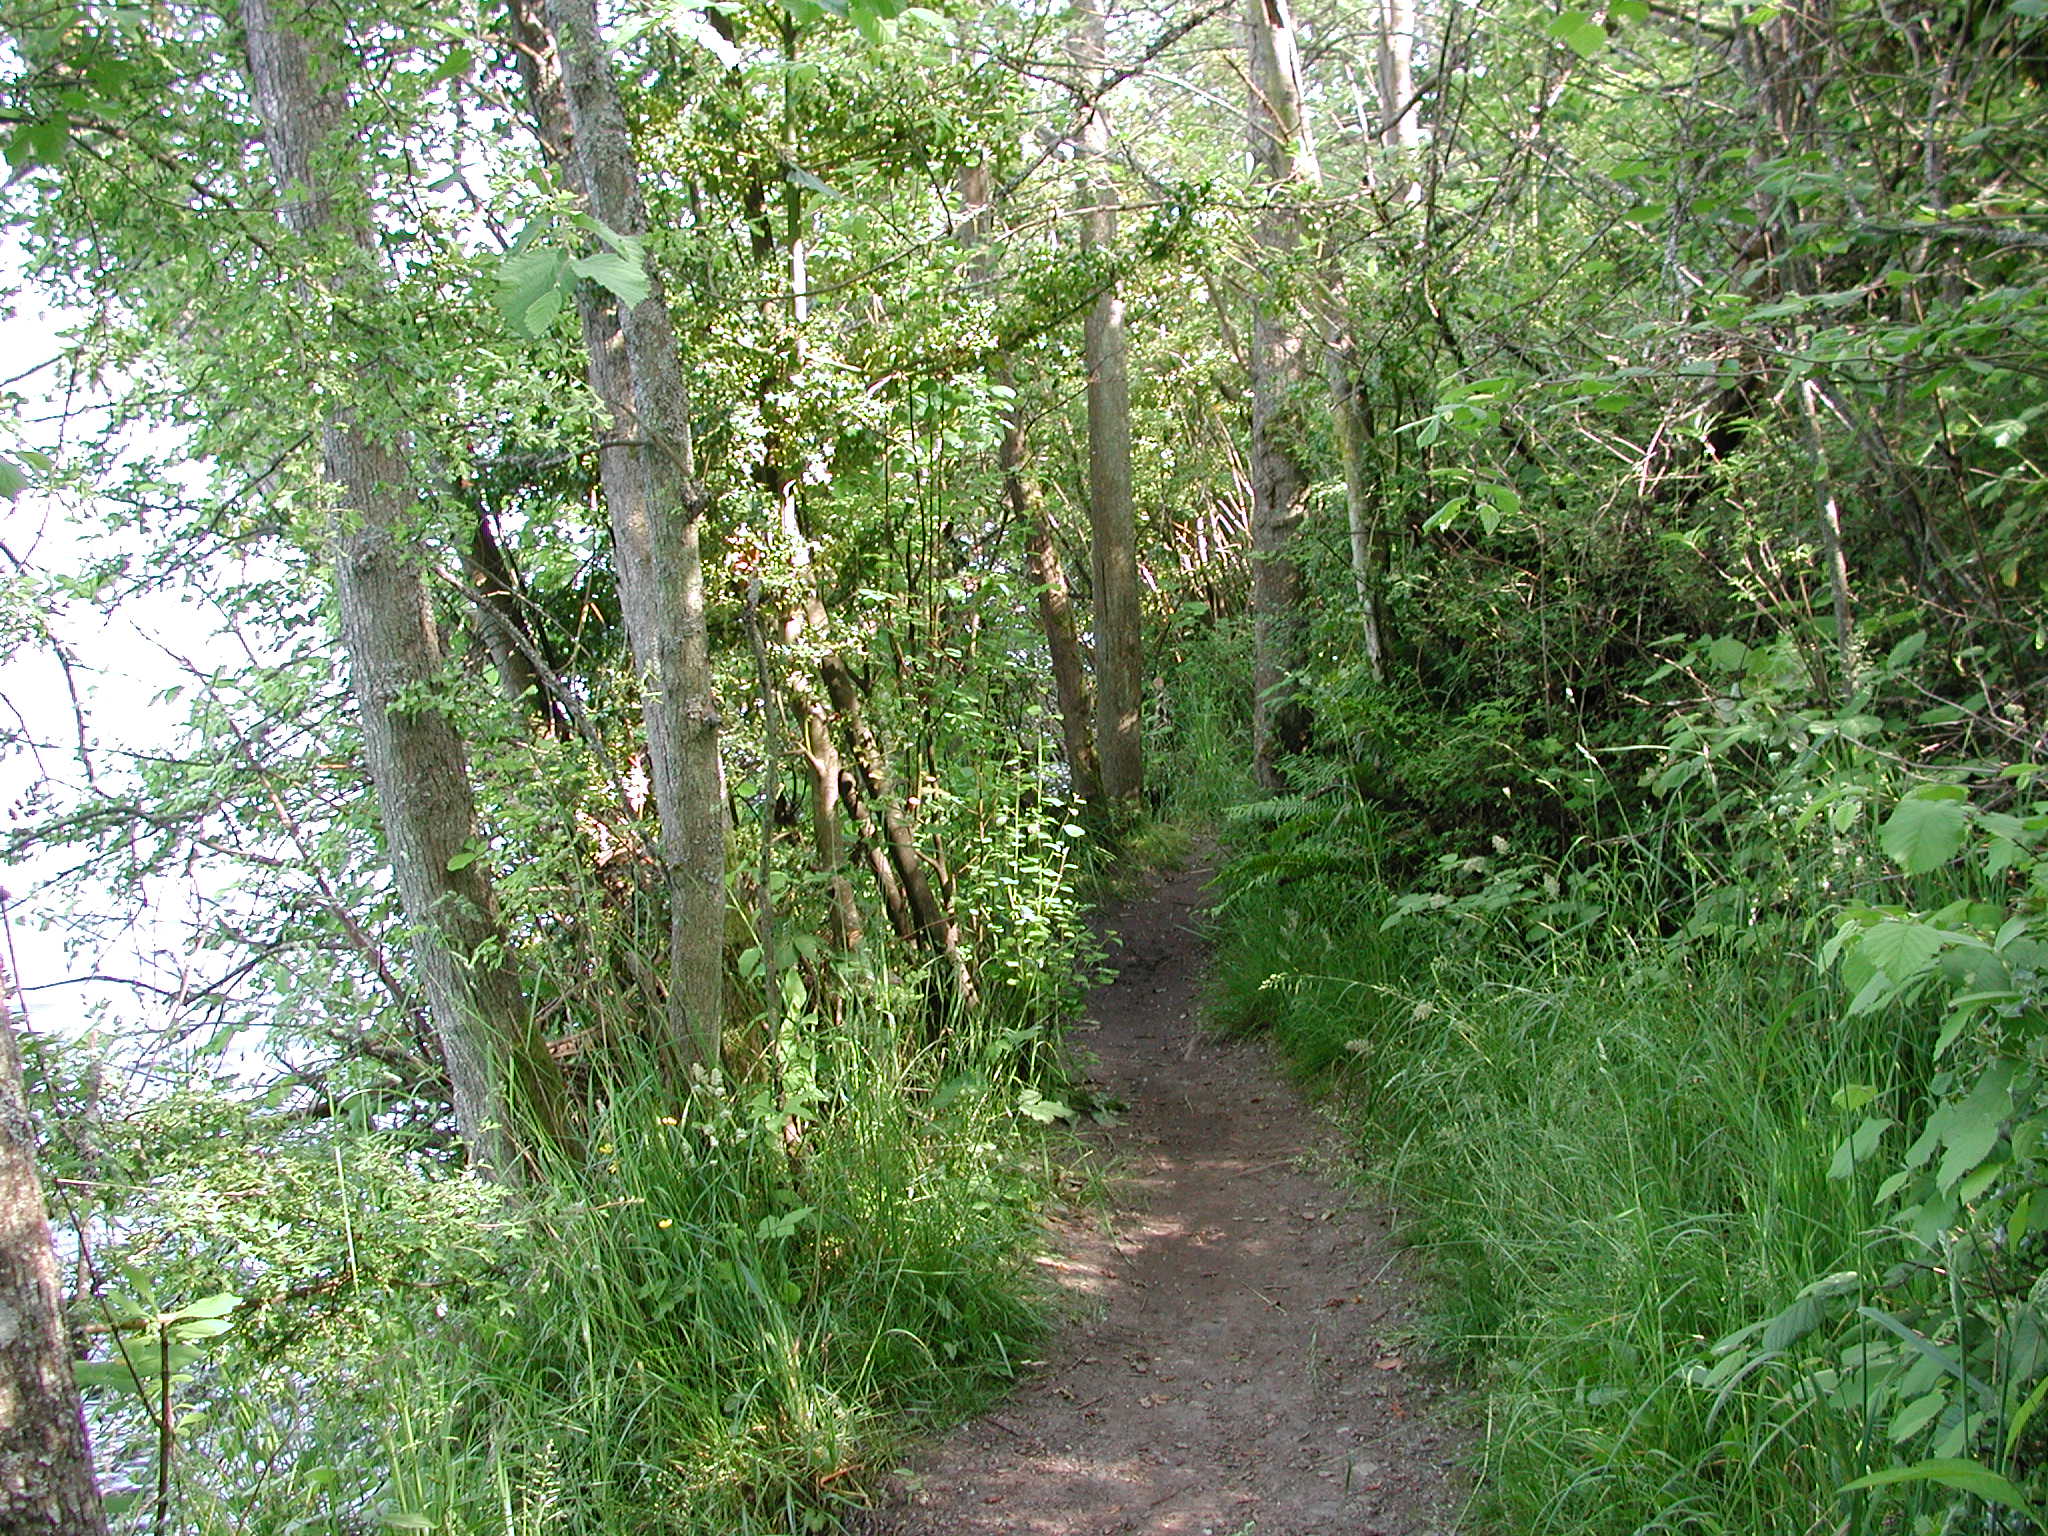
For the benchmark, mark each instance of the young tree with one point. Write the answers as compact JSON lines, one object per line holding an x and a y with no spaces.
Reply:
{"x":1119,"y":644}
{"x":657,"y":505}
{"x":46,"y":1476}
{"x":507,"y":1088}
{"x":1284,"y":159}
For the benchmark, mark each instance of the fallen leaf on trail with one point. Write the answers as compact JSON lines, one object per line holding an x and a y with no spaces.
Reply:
{"x":1390,"y":1363}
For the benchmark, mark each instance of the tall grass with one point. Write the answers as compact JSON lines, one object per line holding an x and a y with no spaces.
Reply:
{"x":1613,"y":1152}
{"x":723,"y":1321}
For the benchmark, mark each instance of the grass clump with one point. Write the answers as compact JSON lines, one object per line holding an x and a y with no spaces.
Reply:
{"x":727,"y":1319}
{"x":1613,"y":1150}
{"x":723,"y":1319}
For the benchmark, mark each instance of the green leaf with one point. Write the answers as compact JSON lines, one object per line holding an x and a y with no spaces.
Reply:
{"x":1972,"y":1127}
{"x":1905,"y":651}
{"x":529,"y":289}
{"x":1859,"y":1145}
{"x":218,"y":1305}
{"x":540,"y":316}
{"x":12,"y":481}
{"x":1901,"y":950}
{"x":625,"y":280}
{"x":1727,"y":653}
{"x":1916,"y":1415}
{"x":810,"y":183}
{"x":1924,"y":833}
{"x":1792,"y":1324}
{"x":42,"y":142}
{"x":1952,"y":1472}
{"x":458,"y":62}
{"x":1578,"y":32}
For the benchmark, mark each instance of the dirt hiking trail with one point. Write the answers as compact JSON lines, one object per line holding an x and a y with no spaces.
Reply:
{"x":1236,"y":1364}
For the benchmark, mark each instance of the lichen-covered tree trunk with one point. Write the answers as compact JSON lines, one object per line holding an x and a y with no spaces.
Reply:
{"x":507,"y":1088}
{"x":656,"y":504}
{"x":1119,"y":640}
{"x":46,"y":1477}
{"x":1284,"y":158}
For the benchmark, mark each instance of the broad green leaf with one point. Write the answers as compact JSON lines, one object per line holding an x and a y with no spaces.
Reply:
{"x":1973,"y":1126}
{"x":1924,"y":834}
{"x":12,"y":481}
{"x":1916,"y":1415}
{"x":1859,"y":1145}
{"x":218,"y":1305}
{"x":1901,"y":950}
{"x":1578,"y":32}
{"x":1727,"y":653}
{"x":1903,"y":653}
{"x":1952,"y":1472}
{"x":458,"y":62}
{"x":625,"y":280}
{"x":1792,"y":1324}
{"x":529,"y":289}
{"x":632,"y":247}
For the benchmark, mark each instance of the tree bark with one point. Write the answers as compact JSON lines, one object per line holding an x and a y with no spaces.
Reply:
{"x":1073,"y":693}
{"x":1119,"y":641}
{"x":506,"y":634}
{"x":1847,"y":680}
{"x":931,"y":918}
{"x":46,"y":1474}
{"x":1361,"y":509}
{"x":655,"y":503}
{"x":508,"y":1090}
{"x":1284,"y":159}
{"x":1400,"y":116}
{"x":1055,"y":611}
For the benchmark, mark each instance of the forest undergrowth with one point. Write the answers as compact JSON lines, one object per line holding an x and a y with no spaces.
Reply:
{"x":1718,"y":1133}
{"x":721,"y":1311}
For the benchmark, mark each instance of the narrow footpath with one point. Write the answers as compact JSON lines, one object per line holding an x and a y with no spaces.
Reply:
{"x":1237,"y":1361}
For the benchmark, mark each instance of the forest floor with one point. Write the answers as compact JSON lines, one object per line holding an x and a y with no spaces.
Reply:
{"x":1238,"y":1358}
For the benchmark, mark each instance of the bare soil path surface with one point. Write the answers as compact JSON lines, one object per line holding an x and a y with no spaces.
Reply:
{"x":1237,"y":1363}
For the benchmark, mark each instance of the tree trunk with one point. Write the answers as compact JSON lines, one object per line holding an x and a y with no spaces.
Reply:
{"x":46,"y":1476}
{"x":1400,"y":116}
{"x":655,"y":504}
{"x":507,"y":1088}
{"x":1055,"y":611}
{"x":494,"y":595}
{"x":1119,"y":642}
{"x":1284,"y":159}
{"x":932,"y":920}
{"x":1072,"y":690}
{"x":1368,"y":535}
{"x":1847,"y":679}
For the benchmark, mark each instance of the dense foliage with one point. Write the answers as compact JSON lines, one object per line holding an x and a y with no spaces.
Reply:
{"x":1644,"y":404}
